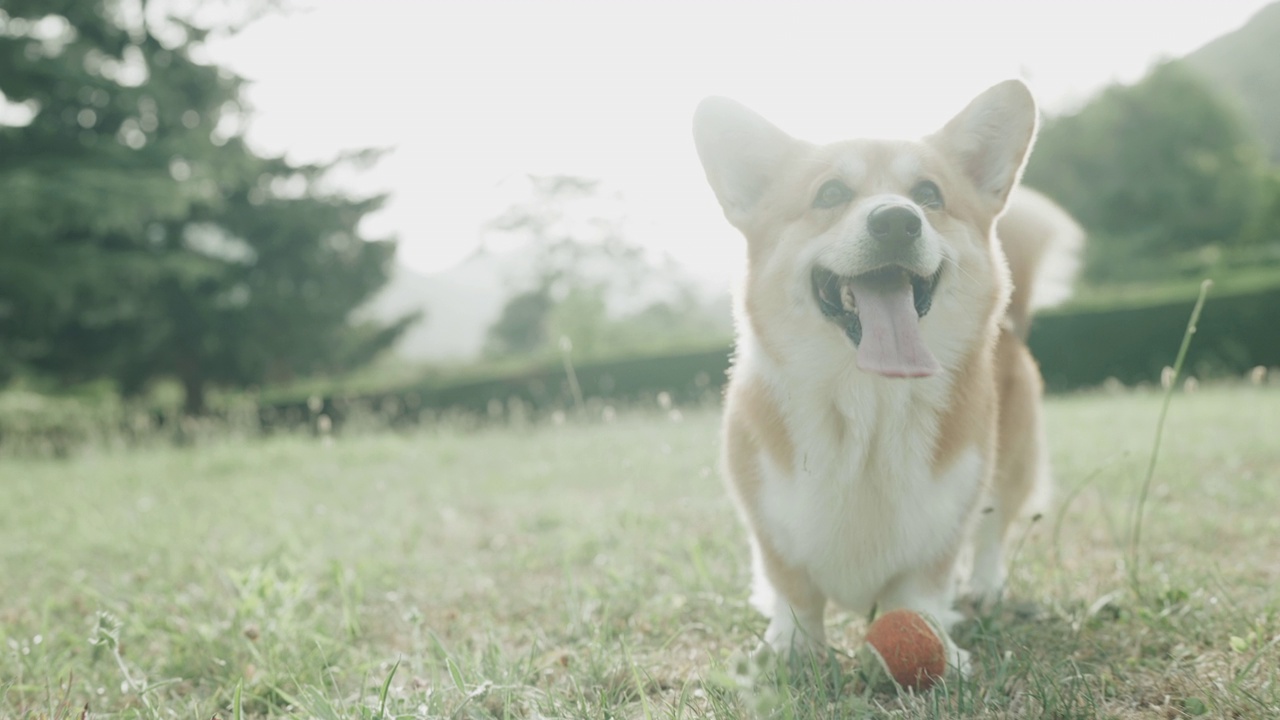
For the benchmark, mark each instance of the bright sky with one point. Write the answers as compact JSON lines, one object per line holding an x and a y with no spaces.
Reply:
{"x":473,"y":95}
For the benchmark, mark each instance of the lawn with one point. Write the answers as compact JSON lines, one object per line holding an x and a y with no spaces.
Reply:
{"x":596,"y":570}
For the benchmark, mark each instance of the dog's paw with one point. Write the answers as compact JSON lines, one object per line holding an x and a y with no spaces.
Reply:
{"x":800,"y":659}
{"x":947,"y":618}
{"x":794,"y":646}
{"x":959,"y":662}
{"x":790,"y":635}
{"x":760,"y":660}
{"x":984,"y":594}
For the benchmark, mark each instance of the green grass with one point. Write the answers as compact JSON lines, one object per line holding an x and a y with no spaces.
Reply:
{"x":598,"y":571}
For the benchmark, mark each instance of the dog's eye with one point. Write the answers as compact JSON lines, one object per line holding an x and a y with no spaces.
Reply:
{"x":927,"y":195}
{"x":831,"y":194}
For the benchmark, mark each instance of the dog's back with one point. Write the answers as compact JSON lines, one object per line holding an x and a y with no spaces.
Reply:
{"x":1042,"y":244}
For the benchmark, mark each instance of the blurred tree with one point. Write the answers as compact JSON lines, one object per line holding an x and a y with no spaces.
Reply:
{"x":1267,"y":228}
{"x":588,"y":283}
{"x":575,"y":246}
{"x":142,"y":237}
{"x":1153,"y":168}
{"x":522,"y":328}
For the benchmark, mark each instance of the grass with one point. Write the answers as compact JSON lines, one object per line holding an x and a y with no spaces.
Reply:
{"x":598,"y":571}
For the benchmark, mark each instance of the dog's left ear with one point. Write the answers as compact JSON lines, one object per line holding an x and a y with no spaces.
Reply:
{"x":990,"y":139}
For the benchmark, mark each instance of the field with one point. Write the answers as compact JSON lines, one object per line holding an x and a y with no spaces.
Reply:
{"x":596,"y":570}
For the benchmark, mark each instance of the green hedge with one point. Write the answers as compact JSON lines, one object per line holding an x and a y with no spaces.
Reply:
{"x":1076,"y":349}
{"x":686,"y":377}
{"x":1083,"y":348}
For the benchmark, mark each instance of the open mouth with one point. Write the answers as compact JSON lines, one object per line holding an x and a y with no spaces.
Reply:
{"x":880,"y":312}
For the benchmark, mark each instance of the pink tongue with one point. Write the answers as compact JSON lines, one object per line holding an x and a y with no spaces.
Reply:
{"x":891,"y":344}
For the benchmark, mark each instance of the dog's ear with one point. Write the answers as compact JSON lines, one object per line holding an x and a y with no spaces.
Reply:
{"x":990,"y":139}
{"x":741,"y":153}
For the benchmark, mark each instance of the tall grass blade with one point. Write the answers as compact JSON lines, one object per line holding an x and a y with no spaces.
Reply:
{"x":237,"y":707}
{"x":386,"y":687}
{"x":1135,"y":537}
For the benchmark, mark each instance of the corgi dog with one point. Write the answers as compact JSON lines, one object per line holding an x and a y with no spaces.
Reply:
{"x":883,"y":408}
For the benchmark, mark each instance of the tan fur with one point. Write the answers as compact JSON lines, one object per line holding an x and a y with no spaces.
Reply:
{"x":970,"y":416}
{"x":855,"y":486}
{"x":767,"y":427}
{"x":754,"y":422}
{"x":1042,"y":244}
{"x":1018,"y":444}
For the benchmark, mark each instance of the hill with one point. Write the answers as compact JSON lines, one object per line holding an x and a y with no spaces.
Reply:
{"x":460,"y":304}
{"x":1245,"y":64}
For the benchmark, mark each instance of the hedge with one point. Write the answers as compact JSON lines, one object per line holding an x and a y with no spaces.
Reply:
{"x":1084,"y":348}
{"x":1076,"y":349}
{"x":686,"y":377}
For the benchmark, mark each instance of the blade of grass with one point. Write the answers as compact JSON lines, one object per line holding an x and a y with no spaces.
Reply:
{"x":1135,"y":537}
{"x":640,"y":688}
{"x":386,"y":687}
{"x":237,"y":708}
{"x":456,"y":673}
{"x":566,"y":356}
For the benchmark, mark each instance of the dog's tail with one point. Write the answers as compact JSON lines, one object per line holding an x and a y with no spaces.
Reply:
{"x":1043,"y":244}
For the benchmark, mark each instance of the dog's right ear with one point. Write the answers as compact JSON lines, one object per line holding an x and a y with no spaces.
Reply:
{"x":741,"y":153}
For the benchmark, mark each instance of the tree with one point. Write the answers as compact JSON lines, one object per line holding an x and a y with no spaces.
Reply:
{"x":89,"y":169}
{"x":1267,"y":228}
{"x":588,"y":283}
{"x":1157,"y":167}
{"x":143,"y":237}
{"x":522,"y":327}
{"x":576,"y":249}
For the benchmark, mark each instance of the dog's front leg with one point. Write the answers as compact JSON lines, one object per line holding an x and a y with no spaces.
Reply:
{"x":986,"y":583}
{"x":930,"y":591}
{"x":795,"y":605}
{"x":1022,"y":478}
{"x":795,"y":629}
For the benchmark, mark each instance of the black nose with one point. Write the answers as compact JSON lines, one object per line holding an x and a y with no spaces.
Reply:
{"x":894,"y":223}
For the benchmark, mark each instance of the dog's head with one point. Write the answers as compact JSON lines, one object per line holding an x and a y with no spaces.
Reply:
{"x":885,"y":244}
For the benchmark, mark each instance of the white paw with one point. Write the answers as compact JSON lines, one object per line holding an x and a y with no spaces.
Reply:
{"x":946,"y":619}
{"x":958,"y":661}
{"x":986,"y":589}
{"x":793,"y":632}
{"x":790,"y":641}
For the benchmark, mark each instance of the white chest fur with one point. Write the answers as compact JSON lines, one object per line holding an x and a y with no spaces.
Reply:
{"x":863,"y":502}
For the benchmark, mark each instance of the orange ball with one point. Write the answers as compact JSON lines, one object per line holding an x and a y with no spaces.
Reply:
{"x":905,"y":647}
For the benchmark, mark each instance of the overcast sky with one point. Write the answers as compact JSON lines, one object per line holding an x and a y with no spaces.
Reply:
{"x":473,"y":95}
